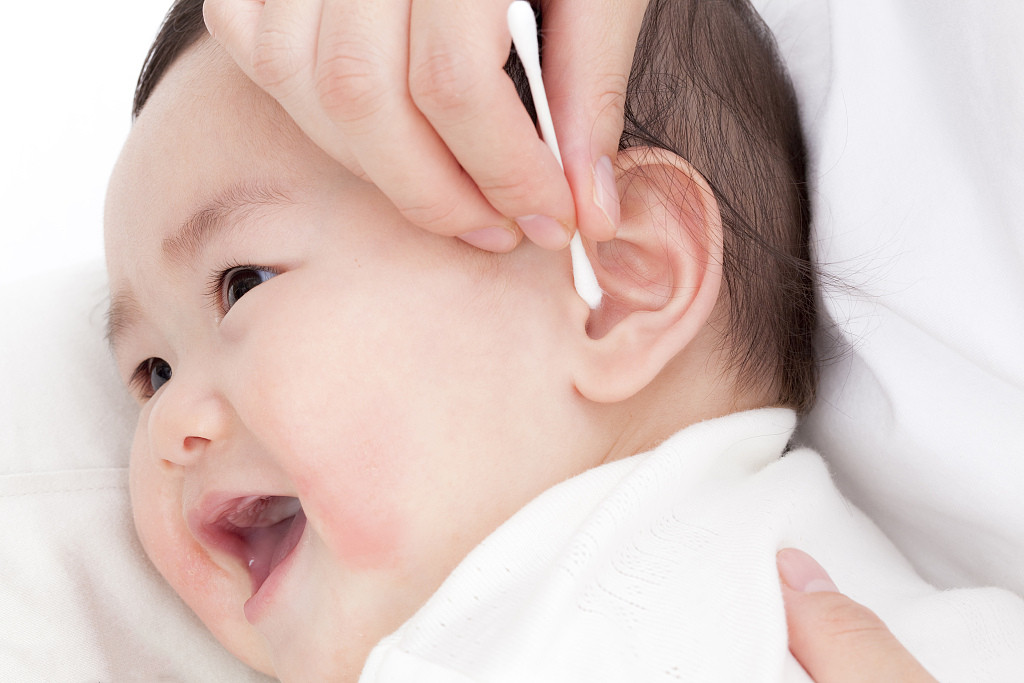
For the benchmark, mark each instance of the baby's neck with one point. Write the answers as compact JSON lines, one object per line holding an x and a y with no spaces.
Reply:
{"x":686,"y":392}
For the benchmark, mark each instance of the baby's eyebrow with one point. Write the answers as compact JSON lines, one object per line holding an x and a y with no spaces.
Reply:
{"x":124,"y":312}
{"x":187,"y":243}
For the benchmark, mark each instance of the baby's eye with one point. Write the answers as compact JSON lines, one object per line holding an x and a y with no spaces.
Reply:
{"x":235,"y":283}
{"x":159,"y":373}
{"x":151,"y":374}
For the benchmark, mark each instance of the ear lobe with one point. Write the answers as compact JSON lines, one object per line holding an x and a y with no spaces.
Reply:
{"x":661,"y":275}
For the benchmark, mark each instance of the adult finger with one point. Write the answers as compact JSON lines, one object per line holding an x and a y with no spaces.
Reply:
{"x":274,"y":42}
{"x":457,"y":80}
{"x":588,"y":53}
{"x":320,"y":61}
{"x":835,"y":639}
{"x":233,"y":24}
{"x":362,"y":85}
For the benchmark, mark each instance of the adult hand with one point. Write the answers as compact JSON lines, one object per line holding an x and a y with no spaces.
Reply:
{"x":835,"y":639}
{"x":411,"y":95}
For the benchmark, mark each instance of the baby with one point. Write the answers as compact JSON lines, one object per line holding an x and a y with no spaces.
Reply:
{"x":369,"y":452}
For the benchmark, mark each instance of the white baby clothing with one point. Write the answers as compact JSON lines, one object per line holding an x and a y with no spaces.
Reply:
{"x":661,"y":567}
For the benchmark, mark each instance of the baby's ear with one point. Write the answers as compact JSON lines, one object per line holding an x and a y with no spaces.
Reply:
{"x":661,"y":275}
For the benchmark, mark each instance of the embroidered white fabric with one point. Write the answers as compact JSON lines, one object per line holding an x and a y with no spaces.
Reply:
{"x":661,"y":567}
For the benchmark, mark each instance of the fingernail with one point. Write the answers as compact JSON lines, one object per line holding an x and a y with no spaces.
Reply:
{"x":606,"y":194}
{"x":800,"y":572}
{"x":545,"y":231}
{"x":496,"y":238}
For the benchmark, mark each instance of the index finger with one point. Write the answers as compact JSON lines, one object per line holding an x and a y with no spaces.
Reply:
{"x":456,"y":80}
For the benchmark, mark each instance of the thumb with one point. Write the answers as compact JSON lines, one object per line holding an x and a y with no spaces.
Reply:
{"x":588,"y":52}
{"x":835,"y":639}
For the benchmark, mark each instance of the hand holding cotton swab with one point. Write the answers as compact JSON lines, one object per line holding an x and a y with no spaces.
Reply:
{"x":522,"y":24}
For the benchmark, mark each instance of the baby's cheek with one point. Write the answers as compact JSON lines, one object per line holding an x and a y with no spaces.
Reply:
{"x":334,"y":411}
{"x":156,"y":494}
{"x":352,"y":494}
{"x":212,"y":593}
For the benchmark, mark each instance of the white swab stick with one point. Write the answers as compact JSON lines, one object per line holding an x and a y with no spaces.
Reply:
{"x":522,"y":24}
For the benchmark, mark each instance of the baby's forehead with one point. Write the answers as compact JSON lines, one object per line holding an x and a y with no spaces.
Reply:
{"x":207,"y":123}
{"x":204,"y":86}
{"x":207,"y":143}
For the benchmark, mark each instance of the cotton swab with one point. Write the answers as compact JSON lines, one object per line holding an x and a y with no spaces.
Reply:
{"x":522,"y":24}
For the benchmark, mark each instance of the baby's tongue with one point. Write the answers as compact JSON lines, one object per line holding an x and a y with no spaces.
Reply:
{"x":268,"y":545}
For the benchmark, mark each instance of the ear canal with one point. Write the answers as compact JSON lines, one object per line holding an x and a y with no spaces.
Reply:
{"x":661,"y":275}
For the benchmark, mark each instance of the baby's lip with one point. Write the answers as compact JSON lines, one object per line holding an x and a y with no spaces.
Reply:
{"x":259,"y":530}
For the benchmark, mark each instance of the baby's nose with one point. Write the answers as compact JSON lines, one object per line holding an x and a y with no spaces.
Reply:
{"x":186,"y":417}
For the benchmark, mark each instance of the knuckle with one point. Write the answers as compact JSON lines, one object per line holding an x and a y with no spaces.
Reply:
{"x":609,"y":98}
{"x":350,"y":84}
{"x":521,"y":187}
{"x":440,"y":80}
{"x":515,"y":189}
{"x":275,"y":59}
{"x":851,"y":622}
{"x":435,"y":216}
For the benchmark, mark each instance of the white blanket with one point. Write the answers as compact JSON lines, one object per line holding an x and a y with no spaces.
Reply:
{"x":917,"y":151}
{"x":661,"y":567}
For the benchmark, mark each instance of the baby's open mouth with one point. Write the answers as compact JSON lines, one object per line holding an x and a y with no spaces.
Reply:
{"x":264,"y":530}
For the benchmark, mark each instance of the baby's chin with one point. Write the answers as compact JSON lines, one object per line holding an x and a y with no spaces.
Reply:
{"x":242,"y":640}
{"x":316,"y":653}
{"x":305,"y":637}
{"x":313,"y":658}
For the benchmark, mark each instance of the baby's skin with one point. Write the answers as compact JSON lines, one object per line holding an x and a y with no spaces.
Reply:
{"x":337,"y":406}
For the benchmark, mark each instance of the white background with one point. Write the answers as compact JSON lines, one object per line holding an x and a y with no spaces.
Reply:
{"x":67,"y":74}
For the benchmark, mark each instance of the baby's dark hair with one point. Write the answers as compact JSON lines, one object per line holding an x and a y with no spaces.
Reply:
{"x":708,"y":85}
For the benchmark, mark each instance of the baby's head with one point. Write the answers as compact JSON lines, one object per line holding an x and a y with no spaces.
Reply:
{"x":337,"y":406}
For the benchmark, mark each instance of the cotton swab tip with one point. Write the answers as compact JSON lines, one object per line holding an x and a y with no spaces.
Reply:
{"x":583,"y":277}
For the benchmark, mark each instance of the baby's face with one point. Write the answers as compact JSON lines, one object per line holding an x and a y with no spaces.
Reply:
{"x":344,"y":405}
